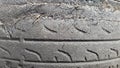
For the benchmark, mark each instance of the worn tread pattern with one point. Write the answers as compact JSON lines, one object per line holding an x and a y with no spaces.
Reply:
{"x":59,"y":21}
{"x":29,"y":52}
{"x":59,"y":34}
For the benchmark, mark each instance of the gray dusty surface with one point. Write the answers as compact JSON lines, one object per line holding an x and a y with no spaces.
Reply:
{"x":59,"y":33}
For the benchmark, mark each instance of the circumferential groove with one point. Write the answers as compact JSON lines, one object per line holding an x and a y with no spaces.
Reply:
{"x":60,"y":40}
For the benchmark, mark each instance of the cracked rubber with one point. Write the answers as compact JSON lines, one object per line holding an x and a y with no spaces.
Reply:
{"x":59,"y":34}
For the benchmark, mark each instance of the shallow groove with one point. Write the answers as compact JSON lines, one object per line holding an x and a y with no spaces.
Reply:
{"x":117,"y":66}
{"x":5,"y":50}
{"x":107,"y":31}
{"x":56,"y":59}
{"x":66,"y":53}
{"x":85,"y":58}
{"x":94,"y":53}
{"x":80,"y":30}
{"x":34,"y":52}
{"x":53,"y":31}
{"x":116,"y":51}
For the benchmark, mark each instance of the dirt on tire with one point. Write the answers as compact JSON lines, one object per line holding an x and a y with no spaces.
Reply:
{"x":59,"y":34}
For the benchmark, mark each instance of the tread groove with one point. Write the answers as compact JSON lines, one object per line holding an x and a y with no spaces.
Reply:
{"x":53,"y":31}
{"x":86,"y":58}
{"x":66,"y":53}
{"x":59,"y":34}
{"x":80,"y":30}
{"x":117,"y":52}
{"x":107,"y":31}
{"x":94,"y":53}
{"x":61,"y":40}
{"x":4,"y":49}
{"x":34,"y":52}
{"x":56,"y":59}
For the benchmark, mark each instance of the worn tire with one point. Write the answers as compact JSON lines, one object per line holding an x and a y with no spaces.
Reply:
{"x":59,"y":34}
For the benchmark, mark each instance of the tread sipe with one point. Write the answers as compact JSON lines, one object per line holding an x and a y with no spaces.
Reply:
{"x":59,"y":34}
